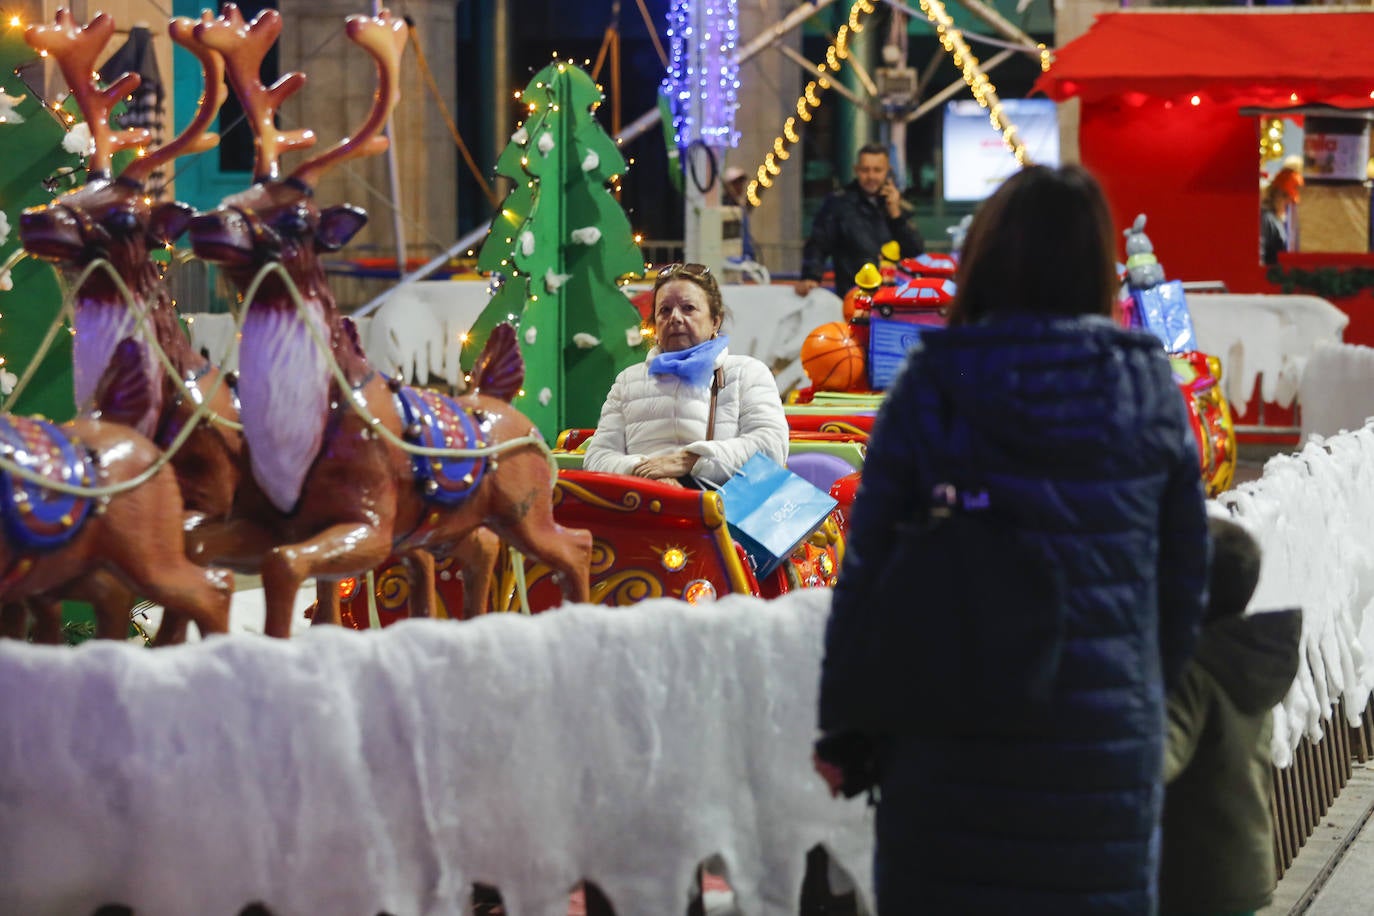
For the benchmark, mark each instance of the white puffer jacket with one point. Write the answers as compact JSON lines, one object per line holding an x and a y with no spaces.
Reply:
{"x":647,"y":415}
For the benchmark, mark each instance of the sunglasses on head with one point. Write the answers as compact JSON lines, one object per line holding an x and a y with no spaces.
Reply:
{"x":679,"y":269}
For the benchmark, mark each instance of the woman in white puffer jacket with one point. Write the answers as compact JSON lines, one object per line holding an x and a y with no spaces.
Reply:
{"x":654,"y":422}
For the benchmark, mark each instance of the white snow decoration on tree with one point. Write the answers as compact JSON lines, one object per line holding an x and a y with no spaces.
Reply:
{"x":587,"y":235}
{"x":521,"y":136}
{"x":586,"y":341}
{"x":545,"y":396}
{"x":531,"y":333}
{"x":6,"y":281}
{"x":8,"y":103}
{"x":345,"y":746}
{"x":634,"y":336}
{"x":78,"y":140}
{"x":590,"y":161}
{"x":527,"y":243}
{"x":552,"y":280}
{"x":7,"y":378}
{"x":4,"y":226}
{"x":545,"y":143}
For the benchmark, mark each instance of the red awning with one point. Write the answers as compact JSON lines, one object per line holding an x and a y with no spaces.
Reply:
{"x":1254,"y":57}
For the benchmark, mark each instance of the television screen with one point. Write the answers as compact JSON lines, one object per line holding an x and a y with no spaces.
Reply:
{"x":976,"y":160}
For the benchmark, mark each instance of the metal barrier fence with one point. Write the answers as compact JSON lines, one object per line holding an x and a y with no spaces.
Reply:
{"x":1305,"y":790}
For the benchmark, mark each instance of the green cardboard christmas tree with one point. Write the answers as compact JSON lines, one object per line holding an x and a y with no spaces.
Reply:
{"x":31,"y":150}
{"x":557,"y":251}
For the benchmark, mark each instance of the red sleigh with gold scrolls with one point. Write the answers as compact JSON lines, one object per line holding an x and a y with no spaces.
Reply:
{"x":650,"y":540}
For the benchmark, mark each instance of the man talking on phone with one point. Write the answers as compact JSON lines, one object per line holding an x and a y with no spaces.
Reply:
{"x":855,"y":222}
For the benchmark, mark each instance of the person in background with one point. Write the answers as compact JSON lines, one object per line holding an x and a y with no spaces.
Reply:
{"x":1218,"y":850}
{"x":1279,"y":195}
{"x":853,"y":224}
{"x":692,"y":411}
{"x":734,"y":183}
{"x":1077,"y":432}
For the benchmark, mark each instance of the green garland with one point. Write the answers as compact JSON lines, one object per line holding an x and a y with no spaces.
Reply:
{"x":1327,"y":282}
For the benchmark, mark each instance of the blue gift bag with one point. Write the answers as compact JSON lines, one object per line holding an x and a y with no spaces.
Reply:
{"x":1163,"y":309}
{"x":770,"y":511}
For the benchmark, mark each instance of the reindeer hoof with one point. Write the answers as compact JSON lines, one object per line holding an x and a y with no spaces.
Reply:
{"x":231,"y":379}
{"x":395,"y":383}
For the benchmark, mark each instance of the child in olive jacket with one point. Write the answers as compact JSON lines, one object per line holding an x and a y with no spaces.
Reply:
{"x":1218,"y":833}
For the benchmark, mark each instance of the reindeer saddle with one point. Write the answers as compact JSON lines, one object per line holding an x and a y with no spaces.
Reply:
{"x":37,"y":518}
{"x":435,"y":421}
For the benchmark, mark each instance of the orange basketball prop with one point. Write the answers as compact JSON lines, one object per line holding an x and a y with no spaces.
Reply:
{"x":832,"y":358}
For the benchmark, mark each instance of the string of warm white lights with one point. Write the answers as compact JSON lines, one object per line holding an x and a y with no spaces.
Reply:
{"x":1271,"y":138}
{"x":835,"y":55}
{"x":951,"y":39}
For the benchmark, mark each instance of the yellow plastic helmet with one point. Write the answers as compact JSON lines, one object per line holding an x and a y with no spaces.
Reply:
{"x":868,"y":277}
{"x":891,"y":251}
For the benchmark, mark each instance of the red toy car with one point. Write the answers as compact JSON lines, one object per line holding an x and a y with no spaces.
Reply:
{"x":929,"y":265}
{"x":921,"y":295}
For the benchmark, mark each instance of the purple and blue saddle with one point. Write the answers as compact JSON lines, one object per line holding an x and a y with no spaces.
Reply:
{"x":35,"y":517}
{"x":435,"y":421}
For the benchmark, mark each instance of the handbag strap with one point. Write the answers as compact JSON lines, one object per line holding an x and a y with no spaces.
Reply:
{"x":717,"y":382}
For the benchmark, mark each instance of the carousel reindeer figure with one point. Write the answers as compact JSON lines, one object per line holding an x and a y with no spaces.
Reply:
{"x":115,"y":221}
{"x":103,"y":549}
{"x":330,"y":493}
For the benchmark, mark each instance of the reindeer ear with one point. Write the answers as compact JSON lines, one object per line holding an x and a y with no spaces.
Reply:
{"x":338,"y":224}
{"x":168,"y":221}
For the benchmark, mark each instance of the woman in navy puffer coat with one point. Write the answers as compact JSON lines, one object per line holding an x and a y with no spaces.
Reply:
{"x":1078,"y":432}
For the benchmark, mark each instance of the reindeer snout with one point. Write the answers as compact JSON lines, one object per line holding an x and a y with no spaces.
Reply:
{"x":51,"y":233}
{"x":223,"y":236}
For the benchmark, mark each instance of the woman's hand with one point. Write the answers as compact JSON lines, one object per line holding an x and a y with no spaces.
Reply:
{"x":667,"y":467}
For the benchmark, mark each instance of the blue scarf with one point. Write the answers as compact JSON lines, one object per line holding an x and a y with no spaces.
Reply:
{"x":694,"y":365}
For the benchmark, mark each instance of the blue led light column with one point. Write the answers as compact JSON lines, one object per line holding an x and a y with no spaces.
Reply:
{"x":703,"y":86}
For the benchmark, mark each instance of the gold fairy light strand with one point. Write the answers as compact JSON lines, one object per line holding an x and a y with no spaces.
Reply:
{"x":952,"y":40}
{"x":835,"y":56}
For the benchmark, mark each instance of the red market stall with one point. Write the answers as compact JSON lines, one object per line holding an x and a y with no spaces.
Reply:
{"x":1169,"y":124}
{"x":1161,"y":126}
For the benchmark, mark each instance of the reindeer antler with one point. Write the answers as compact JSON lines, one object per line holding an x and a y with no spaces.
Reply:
{"x":196,"y":138}
{"x":384,"y":38}
{"x":243,"y":46}
{"x":75,"y":49}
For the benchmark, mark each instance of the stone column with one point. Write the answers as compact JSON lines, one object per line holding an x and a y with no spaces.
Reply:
{"x":769,"y":86}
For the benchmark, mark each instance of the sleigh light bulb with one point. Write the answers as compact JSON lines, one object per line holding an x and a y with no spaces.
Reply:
{"x":674,"y":559}
{"x":699,"y":590}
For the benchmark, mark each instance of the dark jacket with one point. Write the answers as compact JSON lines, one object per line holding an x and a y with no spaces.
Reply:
{"x":852,"y":228}
{"x":1079,"y":432}
{"x":1273,"y":236}
{"x":1218,"y":829}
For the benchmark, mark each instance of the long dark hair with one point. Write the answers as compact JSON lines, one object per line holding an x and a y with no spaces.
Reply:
{"x":1042,"y":244}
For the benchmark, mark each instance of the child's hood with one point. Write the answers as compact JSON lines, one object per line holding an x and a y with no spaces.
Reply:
{"x":1253,"y":658}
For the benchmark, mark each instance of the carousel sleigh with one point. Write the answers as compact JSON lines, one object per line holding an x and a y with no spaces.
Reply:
{"x":649,"y":540}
